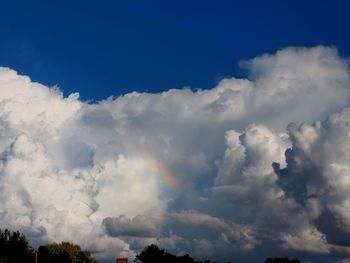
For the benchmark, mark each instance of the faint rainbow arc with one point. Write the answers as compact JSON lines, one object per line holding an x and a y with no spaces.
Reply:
{"x":157,"y":168}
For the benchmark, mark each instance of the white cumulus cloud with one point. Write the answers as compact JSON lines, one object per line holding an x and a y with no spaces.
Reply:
{"x":213,"y":173}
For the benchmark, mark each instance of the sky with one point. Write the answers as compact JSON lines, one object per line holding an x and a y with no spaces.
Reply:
{"x":221,"y":130}
{"x":109,"y":48}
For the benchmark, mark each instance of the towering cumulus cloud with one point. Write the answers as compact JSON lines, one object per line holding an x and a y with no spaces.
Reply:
{"x":214,"y":173}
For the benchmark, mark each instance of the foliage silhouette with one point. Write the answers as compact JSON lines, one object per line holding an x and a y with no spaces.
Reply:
{"x":153,"y":253}
{"x":14,"y":247}
{"x":64,"y":252}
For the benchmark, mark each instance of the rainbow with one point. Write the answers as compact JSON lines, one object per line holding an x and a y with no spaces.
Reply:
{"x":164,"y":175}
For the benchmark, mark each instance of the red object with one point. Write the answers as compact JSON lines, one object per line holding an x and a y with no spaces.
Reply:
{"x":121,"y":260}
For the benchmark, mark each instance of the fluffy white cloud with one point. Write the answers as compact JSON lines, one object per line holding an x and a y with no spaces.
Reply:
{"x":317,"y":173}
{"x":203,"y":172}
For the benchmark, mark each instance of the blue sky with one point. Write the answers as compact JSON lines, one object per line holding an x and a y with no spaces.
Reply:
{"x":104,"y":48}
{"x":207,"y":157}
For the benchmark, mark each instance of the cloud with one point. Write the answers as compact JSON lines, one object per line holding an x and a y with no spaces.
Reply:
{"x":139,"y":226}
{"x":317,"y":173}
{"x":309,"y":240}
{"x":238,"y":236}
{"x":213,"y":173}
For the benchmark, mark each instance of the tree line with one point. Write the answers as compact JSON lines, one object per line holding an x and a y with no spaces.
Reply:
{"x":14,"y":248}
{"x":153,"y":253}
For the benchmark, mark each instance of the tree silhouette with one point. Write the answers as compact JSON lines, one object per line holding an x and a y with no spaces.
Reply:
{"x":64,"y":252}
{"x":14,"y":247}
{"x":185,"y":259}
{"x":153,"y":253}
